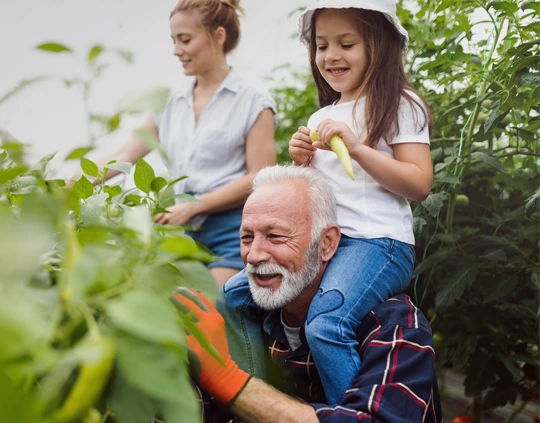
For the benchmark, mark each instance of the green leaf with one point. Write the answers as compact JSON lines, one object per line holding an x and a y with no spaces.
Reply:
{"x":197,"y":276}
{"x":434,"y":203}
{"x":54,"y":48}
{"x":11,"y":173}
{"x":124,"y":167}
{"x":185,"y":409}
{"x":94,"y":52}
{"x":113,"y":191}
{"x":453,"y":286}
{"x":502,"y":289}
{"x":435,"y":259}
{"x":93,"y":235}
{"x":83,"y":188}
{"x":129,"y":404}
{"x":152,"y":100}
{"x":158,"y":183}
{"x":504,"y":6}
{"x":495,"y":255}
{"x":447,"y":178}
{"x":114,"y":122}
{"x":490,"y":160}
{"x":530,"y":78}
{"x":89,"y":167}
{"x":17,"y":404}
{"x":532,"y":204}
{"x":78,"y":153}
{"x":143,"y":176}
{"x":418,"y":224}
{"x":148,"y":317}
{"x":495,"y":113}
{"x":157,"y":370}
{"x":181,"y":245}
{"x":530,"y":5}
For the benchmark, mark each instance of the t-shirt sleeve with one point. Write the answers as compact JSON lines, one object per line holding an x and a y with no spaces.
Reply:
{"x":261,"y":100}
{"x":413,"y":123}
{"x":156,"y":117}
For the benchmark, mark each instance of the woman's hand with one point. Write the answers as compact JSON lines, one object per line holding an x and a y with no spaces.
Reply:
{"x":179,"y":214}
{"x":328,"y":128}
{"x":300,"y":147}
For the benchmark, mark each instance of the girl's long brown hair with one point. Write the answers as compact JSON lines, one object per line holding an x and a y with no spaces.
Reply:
{"x":384,"y":83}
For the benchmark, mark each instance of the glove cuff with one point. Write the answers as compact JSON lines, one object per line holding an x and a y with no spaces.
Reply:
{"x":230,"y":384}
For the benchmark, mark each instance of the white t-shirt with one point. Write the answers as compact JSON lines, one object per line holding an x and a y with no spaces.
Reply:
{"x":364,"y":208}
{"x":211,"y":151}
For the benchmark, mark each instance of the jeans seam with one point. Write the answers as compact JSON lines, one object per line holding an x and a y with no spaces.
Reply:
{"x":249,"y":354}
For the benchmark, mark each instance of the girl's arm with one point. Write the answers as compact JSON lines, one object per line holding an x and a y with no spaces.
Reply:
{"x":409,"y":174}
{"x":260,"y":152}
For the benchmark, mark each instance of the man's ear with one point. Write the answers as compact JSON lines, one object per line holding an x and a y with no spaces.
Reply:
{"x":329,"y":242}
{"x":220,"y":35}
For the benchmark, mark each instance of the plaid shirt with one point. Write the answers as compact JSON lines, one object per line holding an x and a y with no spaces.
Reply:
{"x":396,"y":382}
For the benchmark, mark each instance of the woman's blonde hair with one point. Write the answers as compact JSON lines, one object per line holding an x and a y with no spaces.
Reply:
{"x":216,"y":13}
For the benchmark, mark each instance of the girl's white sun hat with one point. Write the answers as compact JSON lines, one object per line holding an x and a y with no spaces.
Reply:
{"x":387,"y":7}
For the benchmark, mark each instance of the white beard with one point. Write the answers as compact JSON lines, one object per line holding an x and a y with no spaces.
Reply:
{"x":292,"y":284}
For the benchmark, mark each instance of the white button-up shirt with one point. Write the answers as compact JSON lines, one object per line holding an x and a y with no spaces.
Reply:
{"x":211,"y":151}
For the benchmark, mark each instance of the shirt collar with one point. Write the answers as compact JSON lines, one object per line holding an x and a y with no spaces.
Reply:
{"x":231,"y":83}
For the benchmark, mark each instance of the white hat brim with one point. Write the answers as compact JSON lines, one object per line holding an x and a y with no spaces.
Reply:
{"x":304,"y":22}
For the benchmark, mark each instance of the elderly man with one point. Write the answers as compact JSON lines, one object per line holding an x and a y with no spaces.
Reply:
{"x":288,"y":236}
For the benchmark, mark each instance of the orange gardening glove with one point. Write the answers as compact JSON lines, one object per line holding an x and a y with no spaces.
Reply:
{"x":223,"y":380}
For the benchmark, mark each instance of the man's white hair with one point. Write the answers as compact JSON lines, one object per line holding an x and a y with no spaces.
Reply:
{"x":322,"y":204}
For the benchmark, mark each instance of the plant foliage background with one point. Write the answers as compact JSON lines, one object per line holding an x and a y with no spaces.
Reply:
{"x":88,"y":260}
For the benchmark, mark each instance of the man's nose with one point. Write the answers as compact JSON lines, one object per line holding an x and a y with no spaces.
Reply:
{"x":257,"y":252}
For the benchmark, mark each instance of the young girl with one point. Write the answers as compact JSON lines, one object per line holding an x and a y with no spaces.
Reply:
{"x":219,"y":132}
{"x":356,"y":52}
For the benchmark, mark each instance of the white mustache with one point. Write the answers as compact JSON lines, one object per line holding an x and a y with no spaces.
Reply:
{"x":266,"y":269}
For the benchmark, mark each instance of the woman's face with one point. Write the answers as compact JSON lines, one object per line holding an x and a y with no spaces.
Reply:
{"x":340,"y":57}
{"x":192,"y":44}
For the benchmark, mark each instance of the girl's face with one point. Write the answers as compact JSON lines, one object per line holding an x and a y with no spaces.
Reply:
{"x":192,"y":44}
{"x":340,"y":57}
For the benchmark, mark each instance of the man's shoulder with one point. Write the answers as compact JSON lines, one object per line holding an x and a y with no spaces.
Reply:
{"x":397,"y":311}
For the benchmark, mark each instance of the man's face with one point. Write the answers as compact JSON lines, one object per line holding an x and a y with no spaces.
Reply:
{"x":276,"y":243}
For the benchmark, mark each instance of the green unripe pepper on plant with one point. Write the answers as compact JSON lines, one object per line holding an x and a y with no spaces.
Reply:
{"x":93,"y":375}
{"x":338,"y":146}
{"x":92,"y":416}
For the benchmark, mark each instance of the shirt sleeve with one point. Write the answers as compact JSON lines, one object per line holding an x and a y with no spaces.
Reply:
{"x":396,"y":382}
{"x":261,"y":100}
{"x":413,"y":124}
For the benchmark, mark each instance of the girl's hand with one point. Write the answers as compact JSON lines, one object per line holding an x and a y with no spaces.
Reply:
{"x":180,"y":214}
{"x":328,"y":128}
{"x":300,"y":147}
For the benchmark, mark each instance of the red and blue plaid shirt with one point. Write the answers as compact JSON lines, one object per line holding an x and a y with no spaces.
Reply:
{"x":396,"y":382}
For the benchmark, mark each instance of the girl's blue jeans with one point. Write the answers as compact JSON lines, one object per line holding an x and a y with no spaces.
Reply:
{"x":362,"y":274}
